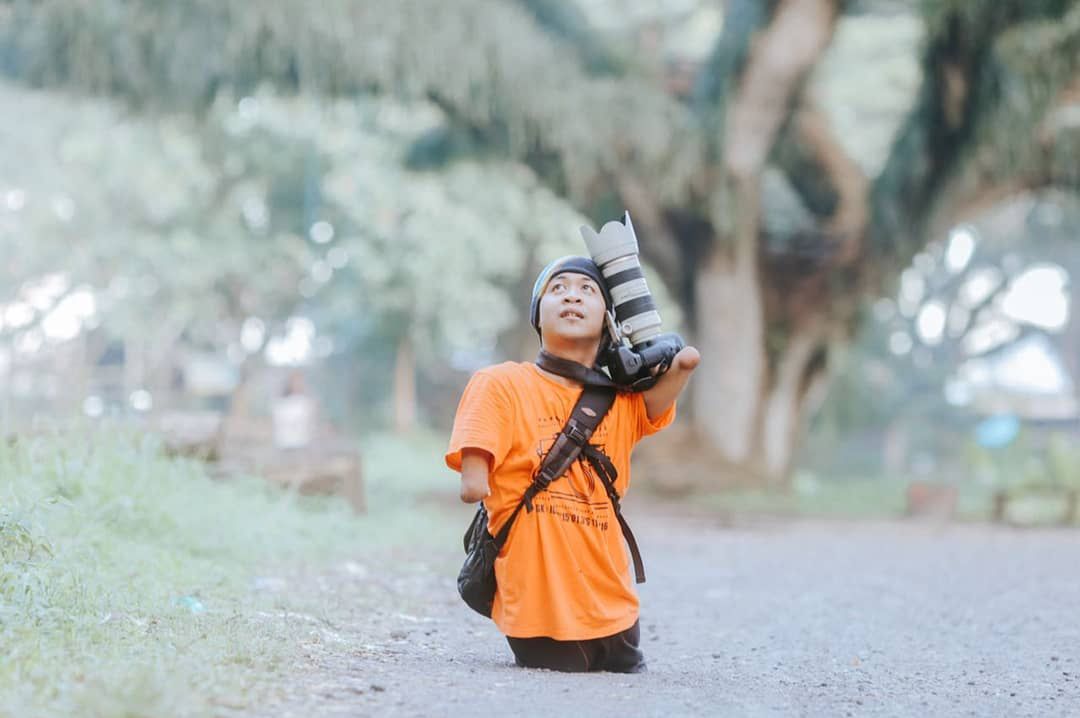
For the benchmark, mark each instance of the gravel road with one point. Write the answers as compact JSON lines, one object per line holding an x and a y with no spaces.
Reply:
{"x":751,"y":619}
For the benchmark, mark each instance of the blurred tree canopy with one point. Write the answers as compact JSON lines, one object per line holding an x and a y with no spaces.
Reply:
{"x":266,"y":208}
{"x":945,"y":352}
{"x":749,"y":202}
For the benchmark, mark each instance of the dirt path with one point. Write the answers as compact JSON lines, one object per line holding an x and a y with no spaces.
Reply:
{"x":810,"y":619}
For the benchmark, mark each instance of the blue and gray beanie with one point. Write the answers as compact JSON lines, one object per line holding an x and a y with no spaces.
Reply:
{"x":562,"y":265}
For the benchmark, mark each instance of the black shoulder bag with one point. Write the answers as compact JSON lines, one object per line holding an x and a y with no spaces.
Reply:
{"x":476,"y":580}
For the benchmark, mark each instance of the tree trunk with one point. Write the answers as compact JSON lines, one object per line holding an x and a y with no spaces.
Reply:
{"x":730,"y":388}
{"x":134,"y":368}
{"x":784,"y":407}
{"x":730,"y":335}
{"x":1070,"y":339}
{"x":405,"y":387}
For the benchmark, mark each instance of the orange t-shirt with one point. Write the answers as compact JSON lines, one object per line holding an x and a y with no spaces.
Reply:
{"x":564,"y":572}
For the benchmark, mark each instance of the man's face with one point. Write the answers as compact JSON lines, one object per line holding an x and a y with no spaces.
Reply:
{"x":572,"y":307}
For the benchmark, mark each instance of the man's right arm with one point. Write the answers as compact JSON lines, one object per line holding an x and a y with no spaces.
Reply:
{"x":475,"y":468}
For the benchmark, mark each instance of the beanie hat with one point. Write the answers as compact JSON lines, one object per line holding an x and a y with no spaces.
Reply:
{"x":562,"y":265}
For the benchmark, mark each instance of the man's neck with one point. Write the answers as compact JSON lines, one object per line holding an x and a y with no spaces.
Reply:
{"x":582,"y":354}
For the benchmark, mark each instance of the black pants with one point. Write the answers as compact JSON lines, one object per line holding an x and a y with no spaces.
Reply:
{"x":618,"y":653}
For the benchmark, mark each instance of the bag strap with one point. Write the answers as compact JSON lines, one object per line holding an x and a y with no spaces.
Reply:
{"x":572,"y":442}
{"x":504,"y":532}
{"x":607,"y":472}
{"x":587,"y":414}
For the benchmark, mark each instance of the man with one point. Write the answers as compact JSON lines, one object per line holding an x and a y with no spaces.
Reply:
{"x":565,"y":598}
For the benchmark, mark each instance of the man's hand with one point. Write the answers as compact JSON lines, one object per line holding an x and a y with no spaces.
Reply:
{"x":687,"y":359}
{"x":660,"y":397}
{"x":475,"y":467}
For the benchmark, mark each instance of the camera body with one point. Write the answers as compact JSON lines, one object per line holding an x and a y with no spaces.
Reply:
{"x":638,"y":352}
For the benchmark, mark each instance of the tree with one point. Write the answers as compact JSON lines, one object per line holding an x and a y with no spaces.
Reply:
{"x":932,"y":357}
{"x":267,"y":209}
{"x":528,"y":81}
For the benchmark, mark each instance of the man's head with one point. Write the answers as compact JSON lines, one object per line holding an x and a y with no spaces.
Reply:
{"x":569,"y":300}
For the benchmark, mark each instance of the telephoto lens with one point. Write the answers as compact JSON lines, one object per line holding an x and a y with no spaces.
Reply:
{"x":615,"y":250}
{"x":637,"y":367}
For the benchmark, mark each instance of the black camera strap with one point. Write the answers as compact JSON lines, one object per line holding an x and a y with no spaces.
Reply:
{"x":587,"y":414}
{"x":572,"y":370}
{"x":573,"y":441}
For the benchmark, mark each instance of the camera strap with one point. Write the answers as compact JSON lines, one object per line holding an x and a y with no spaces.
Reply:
{"x":586,"y":415}
{"x":572,"y":370}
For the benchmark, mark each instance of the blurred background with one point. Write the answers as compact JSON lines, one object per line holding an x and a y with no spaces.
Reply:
{"x":279,"y":225}
{"x":252,"y":245}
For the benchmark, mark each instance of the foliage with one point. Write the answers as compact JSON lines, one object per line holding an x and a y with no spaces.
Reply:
{"x":925,"y":355}
{"x":510,"y":80}
{"x":188,"y":228}
{"x":988,"y":131}
{"x":1035,"y":62}
{"x":1063,"y":461}
{"x":1032,"y":463}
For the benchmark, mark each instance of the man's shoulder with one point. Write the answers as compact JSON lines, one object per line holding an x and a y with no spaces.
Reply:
{"x":508,"y":373}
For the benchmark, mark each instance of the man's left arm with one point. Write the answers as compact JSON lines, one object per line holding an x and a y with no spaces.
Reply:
{"x":662,"y":395}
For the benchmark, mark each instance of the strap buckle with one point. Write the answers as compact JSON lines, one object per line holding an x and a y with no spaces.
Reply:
{"x":576,"y":433}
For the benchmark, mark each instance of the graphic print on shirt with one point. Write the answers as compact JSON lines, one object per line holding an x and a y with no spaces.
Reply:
{"x":573,"y":497}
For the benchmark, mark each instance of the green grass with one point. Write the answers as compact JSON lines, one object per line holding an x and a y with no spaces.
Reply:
{"x":861,"y":499}
{"x":126,"y":577}
{"x":880,"y":499}
{"x":855,"y":498}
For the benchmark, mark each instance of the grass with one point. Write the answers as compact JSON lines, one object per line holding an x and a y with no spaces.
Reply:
{"x":126,"y":577}
{"x":855,"y":498}
{"x":880,"y":498}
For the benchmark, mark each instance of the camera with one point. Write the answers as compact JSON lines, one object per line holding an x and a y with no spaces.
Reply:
{"x":638,"y":352}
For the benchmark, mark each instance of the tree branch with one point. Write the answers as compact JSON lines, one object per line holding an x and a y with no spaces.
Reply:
{"x":847,"y":223}
{"x":566,"y":21}
{"x":779,"y":61}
